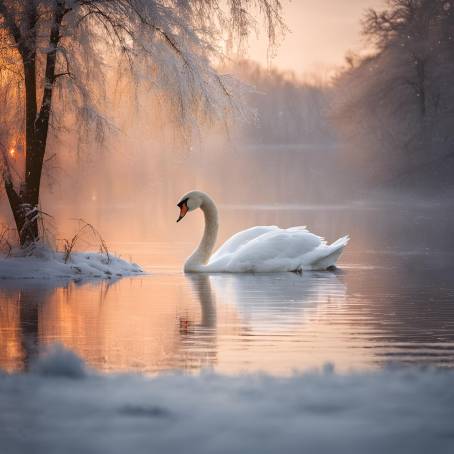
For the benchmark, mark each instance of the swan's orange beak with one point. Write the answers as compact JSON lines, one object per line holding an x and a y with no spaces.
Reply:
{"x":183,"y":210}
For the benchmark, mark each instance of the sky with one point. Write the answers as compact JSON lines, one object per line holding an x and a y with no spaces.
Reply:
{"x":321,"y":32}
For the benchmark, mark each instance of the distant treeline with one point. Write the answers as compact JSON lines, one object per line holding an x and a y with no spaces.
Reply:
{"x":287,"y":110}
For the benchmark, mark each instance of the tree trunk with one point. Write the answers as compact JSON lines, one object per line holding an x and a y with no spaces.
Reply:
{"x":24,"y":217}
{"x":421,"y":85}
{"x":24,"y":204}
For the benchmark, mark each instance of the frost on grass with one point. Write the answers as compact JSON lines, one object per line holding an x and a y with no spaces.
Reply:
{"x":392,"y":411}
{"x":44,"y":263}
{"x":52,"y":258}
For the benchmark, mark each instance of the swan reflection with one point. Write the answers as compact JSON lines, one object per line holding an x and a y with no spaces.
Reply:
{"x":272,"y":322}
{"x":202,"y":289}
{"x":198,"y":339}
{"x":170,"y":321}
{"x":277,"y":300}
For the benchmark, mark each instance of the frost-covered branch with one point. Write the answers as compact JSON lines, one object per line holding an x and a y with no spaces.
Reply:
{"x":59,"y":60}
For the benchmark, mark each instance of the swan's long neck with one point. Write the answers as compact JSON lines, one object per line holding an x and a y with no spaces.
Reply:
{"x":202,"y":254}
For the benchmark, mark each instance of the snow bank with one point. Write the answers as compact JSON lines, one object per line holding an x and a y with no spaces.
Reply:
{"x":47,"y":264}
{"x":394,"y":411}
{"x":59,"y":362}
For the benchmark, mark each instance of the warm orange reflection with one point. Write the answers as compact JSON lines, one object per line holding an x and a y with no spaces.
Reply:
{"x":161,"y":322}
{"x":120,"y":326}
{"x":10,"y":345}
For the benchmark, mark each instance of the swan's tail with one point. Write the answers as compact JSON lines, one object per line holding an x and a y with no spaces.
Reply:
{"x":341,"y":242}
{"x":333,"y":251}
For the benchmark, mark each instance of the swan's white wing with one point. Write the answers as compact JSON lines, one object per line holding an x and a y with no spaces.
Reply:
{"x":274,"y":250}
{"x":240,"y":239}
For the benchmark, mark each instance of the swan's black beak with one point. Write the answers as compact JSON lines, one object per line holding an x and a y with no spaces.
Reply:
{"x":183,"y":210}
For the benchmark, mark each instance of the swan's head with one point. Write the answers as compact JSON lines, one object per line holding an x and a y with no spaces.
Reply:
{"x":190,"y":202}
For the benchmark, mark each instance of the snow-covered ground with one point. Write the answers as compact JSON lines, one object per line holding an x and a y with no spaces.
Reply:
{"x":61,"y":407}
{"x":47,"y":264}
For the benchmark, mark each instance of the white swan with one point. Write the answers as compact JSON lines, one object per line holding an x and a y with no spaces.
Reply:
{"x":258,"y":249}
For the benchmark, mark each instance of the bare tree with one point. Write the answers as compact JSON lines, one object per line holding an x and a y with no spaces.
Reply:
{"x":55,"y":56}
{"x":398,"y":102}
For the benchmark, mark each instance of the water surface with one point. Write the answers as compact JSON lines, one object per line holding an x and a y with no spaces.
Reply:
{"x":391,"y":301}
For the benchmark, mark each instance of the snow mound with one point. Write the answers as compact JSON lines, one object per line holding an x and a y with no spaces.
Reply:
{"x":59,"y":362}
{"x":47,"y":264}
{"x":392,"y":411}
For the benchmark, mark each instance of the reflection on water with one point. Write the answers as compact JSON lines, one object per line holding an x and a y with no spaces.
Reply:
{"x":392,"y":300}
{"x":275,"y":301}
{"x":276,"y":323}
{"x":168,"y":321}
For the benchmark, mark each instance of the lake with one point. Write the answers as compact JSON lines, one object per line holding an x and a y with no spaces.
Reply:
{"x":390,"y":302}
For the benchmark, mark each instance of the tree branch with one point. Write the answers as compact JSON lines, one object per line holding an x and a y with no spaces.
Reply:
{"x":13,"y":28}
{"x":49,"y":78}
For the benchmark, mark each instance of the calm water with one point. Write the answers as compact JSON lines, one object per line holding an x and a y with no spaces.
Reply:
{"x":392,"y":300}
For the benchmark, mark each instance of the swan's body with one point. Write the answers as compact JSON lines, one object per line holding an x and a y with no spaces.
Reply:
{"x":258,"y":249}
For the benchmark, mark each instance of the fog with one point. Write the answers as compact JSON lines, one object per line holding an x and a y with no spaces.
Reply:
{"x":297,"y":141}
{"x":288,"y":155}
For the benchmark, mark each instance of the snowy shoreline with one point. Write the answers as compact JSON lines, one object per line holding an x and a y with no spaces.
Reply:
{"x":47,"y":264}
{"x":63,"y":407}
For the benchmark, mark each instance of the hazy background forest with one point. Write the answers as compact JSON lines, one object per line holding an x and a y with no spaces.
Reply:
{"x":380,"y":123}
